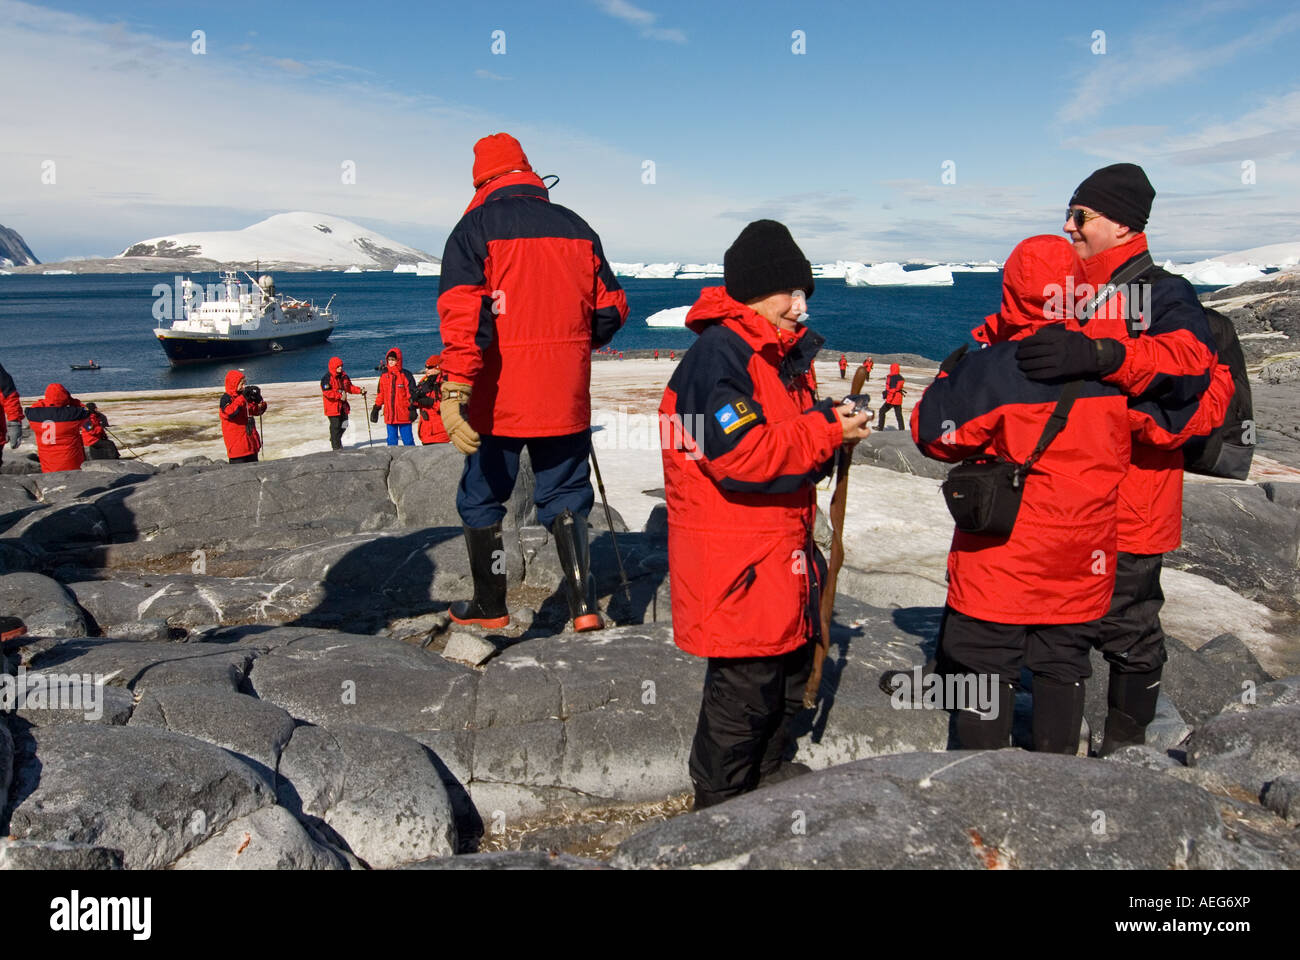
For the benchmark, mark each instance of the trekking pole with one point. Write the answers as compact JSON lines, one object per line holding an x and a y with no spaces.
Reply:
{"x":609,"y":520}
{"x":120,"y":441}
{"x":838,"y":502}
{"x":370,"y":437}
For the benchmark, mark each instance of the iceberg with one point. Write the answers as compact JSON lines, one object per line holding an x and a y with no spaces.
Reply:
{"x":426,"y":269}
{"x":658,"y":271}
{"x":626,"y":269}
{"x":354,"y":269}
{"x":699,"y":271}
{"x":1215,"y":273}
{"x":672,"y":317}
{"x":893,"y":275}
{"x":406,"y":268}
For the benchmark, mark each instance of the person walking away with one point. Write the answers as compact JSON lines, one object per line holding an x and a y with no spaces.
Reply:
{"x":519,"y":373}
{"x":428,"y":400}
{"x":94,"y":436}
{"x":56,"y":427}
{"x":11,"y":413}
{"x":893,"y":394}
{"x":393,"y":396}
{"x":745,"y":446}
{"x":1162,"y":355}
{"x":240,"y":406}
{"x":870,"y":365}
{"x":844,"y":365}
{"x":335,"y":387}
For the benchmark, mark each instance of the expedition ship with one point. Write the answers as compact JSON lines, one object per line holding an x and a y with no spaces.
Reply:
{"x":241,"y":322}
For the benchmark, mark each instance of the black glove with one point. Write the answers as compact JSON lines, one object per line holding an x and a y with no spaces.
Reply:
{"x":374,"y":413}
{"x":1056,"y":353}
{"x":950,"y":362}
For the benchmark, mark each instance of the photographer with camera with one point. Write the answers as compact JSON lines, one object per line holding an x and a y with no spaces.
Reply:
{"x":240,"y":404}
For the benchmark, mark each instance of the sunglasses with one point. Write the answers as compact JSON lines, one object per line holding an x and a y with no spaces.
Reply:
{"x":1080,"y":216}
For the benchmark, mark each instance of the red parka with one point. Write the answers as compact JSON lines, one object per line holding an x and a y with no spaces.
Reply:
{"x":395,"y":391}
{"x":1180,"y":390}
{"x":743,"y":447}
{"x":11,"y":405}
{"x":525,"y":295}
{"x":92,"y":429}
{"x":894,"y":384}
{"x":1058,"y":564}
{"x":428,"y":400}
{"x":56,"y":424}
{"x":239,"y":419}
{"x":335,"y":387}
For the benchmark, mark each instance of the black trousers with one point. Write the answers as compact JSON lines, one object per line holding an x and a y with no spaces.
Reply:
{"x":743,"y":730}
{"x":103,"y":450}
{"x":251,"y":458}
{"x":898,"y":412}
{"x":1058,"y":651}
{"x":1130,"y":636}
{"x":336,"y":431}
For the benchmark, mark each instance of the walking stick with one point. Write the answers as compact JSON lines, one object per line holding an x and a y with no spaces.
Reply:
{"x":609,"y":520}
{"x":118,"y":440}
{"x":365,"y":400}
{"x":838,"y":499}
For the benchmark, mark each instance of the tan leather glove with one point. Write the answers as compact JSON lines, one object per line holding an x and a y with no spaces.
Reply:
{"x":453,"y":417}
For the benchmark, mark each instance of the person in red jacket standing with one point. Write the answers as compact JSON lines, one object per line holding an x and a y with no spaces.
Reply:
{"x":240,"y":406}
{"x":744,"y":442}
{"x":335,"y":387}
{"x":1162,"y":355}
{"x":94,"y":436}
{"x":394,"y":396}
{"x":893,"y":394}
{"x":428,"y":399}
{"x":56,"y":424}
{"x":870,"y":365}
{"x":525,"y":295}
{"x":11,"y":413}
{"x":844,"y":365}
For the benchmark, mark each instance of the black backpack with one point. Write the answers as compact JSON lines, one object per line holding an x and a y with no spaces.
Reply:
{"x":1229,"y":450}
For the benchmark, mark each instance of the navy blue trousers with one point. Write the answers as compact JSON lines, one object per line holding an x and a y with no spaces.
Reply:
{"x":563,"y":477}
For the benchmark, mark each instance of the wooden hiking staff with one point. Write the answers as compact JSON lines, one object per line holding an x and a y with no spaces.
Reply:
{"x":838,"y":499}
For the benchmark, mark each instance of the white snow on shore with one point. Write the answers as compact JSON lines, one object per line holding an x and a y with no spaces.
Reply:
{"x":314,"y":239}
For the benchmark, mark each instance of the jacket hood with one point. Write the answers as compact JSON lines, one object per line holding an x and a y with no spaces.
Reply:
{"x":1101,"y":267}
{"x":395,"y":352}
{"x":715,"y":305}
{"x":56,"y":395}
{"x":497,"y":154}
{"x":511,"y":184}
{"x":1035,"y":282}
{"x":336,"y":364}
{"x":894,"y":368}
{"x":232,"y":381}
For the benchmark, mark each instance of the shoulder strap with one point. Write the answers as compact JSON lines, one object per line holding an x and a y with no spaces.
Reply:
{"x":1055,"y":424}
{"x":1140,"y":265}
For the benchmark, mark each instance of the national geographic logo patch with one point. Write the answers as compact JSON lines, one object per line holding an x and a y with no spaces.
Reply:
{"x":734,"y":416}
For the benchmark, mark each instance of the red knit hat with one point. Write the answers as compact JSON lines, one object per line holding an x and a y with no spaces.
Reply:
{"x":434,"y":361}
{"x":500,"y":153}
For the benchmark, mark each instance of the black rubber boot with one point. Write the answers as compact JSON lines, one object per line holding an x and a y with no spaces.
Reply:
{"x":573,"y":545}
{"x":1058,"y":716}
{"x":978,"y":732}
{"x":1132,"y":700}
{"x":488,"y":606}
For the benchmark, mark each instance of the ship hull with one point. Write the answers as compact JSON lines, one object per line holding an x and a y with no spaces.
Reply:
{"x":186,"y":350}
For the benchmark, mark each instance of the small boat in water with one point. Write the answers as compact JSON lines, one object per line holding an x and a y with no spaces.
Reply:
{"x":85,"y":366}
{"x":240,"y":322}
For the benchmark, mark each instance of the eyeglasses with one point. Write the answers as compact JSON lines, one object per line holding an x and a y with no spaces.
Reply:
{"x":1080,"y":216}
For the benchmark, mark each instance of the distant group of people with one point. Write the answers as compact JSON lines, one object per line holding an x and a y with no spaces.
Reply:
{"x":66,"y":432}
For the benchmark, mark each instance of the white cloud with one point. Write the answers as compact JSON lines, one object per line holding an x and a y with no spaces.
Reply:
{"x":628,"y":13}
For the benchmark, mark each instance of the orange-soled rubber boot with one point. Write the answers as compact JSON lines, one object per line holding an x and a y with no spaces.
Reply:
{"x":572,"y":543}
{"x":487,"y":608}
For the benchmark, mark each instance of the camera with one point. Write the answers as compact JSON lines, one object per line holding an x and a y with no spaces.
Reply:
{"x":253,"y":394}
{"x":861,"y":402}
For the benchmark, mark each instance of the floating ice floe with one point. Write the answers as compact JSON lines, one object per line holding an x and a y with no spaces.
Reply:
{"x":893,"y":275}
{"x":672,"y":317}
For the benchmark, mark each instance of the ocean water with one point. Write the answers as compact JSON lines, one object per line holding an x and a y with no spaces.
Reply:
{"x":49,"y":323}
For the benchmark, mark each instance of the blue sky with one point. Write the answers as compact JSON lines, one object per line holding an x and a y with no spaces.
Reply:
{"x":846,"y":142}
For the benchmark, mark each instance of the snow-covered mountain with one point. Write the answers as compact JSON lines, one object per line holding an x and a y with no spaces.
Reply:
{"x":287,"y":241}
{"x":14,"y":251}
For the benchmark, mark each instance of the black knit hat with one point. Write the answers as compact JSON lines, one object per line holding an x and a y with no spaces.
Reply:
{"x":765,"y":259}
{"x":1121,"y":192}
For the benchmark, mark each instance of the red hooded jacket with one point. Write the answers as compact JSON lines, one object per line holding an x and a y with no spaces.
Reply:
{"x":395,"y":391}
{"x":239,"y":419}
{"x":894,"y":384}
{"x":335,"y":387}
{"x":56,"y":423}
{"x":1058,"y":564}
{"x":743,"y":447}
{"x":525,"y":295}
{"x":1179,"y":391}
